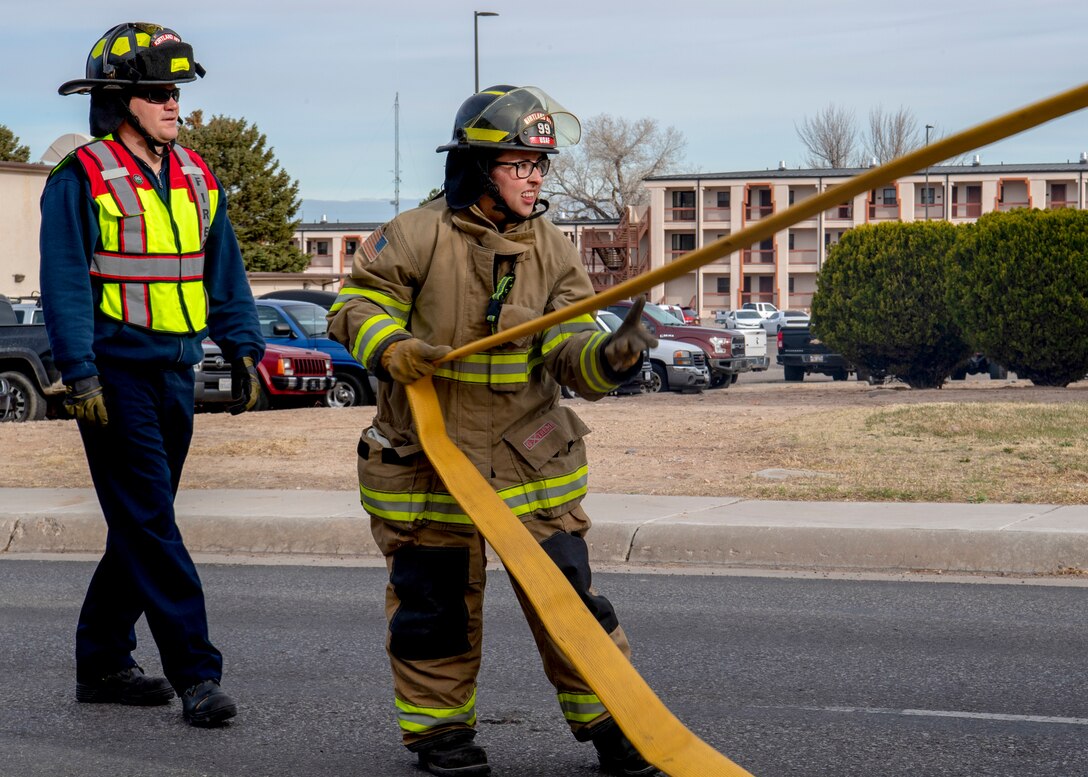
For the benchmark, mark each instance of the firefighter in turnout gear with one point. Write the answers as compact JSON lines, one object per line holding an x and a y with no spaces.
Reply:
{"x":139,"y":264}
{"x":480,"y":260}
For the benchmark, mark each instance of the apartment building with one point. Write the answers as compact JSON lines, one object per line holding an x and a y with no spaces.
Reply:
{"x":687,"y":212}
{"x":330,"y":246}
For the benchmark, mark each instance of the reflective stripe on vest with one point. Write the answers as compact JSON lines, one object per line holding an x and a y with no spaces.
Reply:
{"x":523,"y":499}
{"x":580,"y":707}
{"x":420,"y":719}
{"x":151,"y":260}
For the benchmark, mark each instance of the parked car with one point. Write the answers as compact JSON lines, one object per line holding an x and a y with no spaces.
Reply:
{"x":691,"y":318}
{"x":289,"y":376}
{"x":303,"y":324}
{"x":724,"y":349}
{"x":29,"y":312}
{"x":741,"y":319}
{"x":675,"y":366}
{"x":978,"y":363}
{"x":26,"y":364}
{"x":775,"y":322}
{"x":763,"y":308}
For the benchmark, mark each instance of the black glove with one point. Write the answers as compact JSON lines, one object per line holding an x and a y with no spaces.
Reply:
{"x":626,"y":344}
{"x":85,"y":402}
{"x":245,"y":385}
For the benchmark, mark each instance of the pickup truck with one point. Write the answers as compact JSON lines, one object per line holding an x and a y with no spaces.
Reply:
{"x":26,"y":363}
{"x":724,"y":349}
{"x":303,"y":325}
{"x":800,"y":353}
{"x":674,"y":366}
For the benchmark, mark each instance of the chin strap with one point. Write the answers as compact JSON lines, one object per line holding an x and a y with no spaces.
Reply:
{"x":152,"y":144}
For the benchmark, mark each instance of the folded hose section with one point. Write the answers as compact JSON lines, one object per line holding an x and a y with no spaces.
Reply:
{"x":661,"y":738}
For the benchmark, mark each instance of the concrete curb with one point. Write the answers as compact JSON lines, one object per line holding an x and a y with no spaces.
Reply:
{"x":637,"y":530}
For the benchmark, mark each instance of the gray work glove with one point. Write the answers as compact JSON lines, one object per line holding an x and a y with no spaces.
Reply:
{"x":245,"y":385}
{"x":626,"y":344}
{"x":86,"y":403}
{"x":409,"y":360}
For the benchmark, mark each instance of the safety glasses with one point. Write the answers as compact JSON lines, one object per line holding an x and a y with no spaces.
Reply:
{"x":157,"y":95}
{"x":525,"y":167}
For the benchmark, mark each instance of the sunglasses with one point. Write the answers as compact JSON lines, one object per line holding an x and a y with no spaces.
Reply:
{"x":157,"y":95}
{"x":525,"y":167}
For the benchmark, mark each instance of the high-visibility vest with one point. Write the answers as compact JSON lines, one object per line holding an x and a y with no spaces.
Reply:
{"x":151,"y":257}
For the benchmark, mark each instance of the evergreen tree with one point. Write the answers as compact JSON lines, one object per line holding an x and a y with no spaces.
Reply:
{"x":881,"y":302}
{"x":10,"y":150}
{"x":263,"y":199}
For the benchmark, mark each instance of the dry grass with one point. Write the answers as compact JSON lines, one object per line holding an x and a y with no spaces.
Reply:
{"x":836,"y":442}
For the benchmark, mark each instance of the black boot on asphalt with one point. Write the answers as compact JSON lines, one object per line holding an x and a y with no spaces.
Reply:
{"x":129,"y":686}
{"x":616,"y":753}
{"x":206,"y":704}
{"x":454,"y":755}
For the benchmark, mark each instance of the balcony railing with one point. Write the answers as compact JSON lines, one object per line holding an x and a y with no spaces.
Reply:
{"x":1008,"y":205}
{"x":1058,"y":204}
{"x":879,"y":211}
{"x":756,"y":212}
{"x":757,"y":296}
{"x":803,"y":256}
{"x":840,"y":213}
{"x":716,"y":214}
{"x":679,"y":214}
{"x":758,"y":256}
{"x":966,"y":210}
{"x":930,"y":211}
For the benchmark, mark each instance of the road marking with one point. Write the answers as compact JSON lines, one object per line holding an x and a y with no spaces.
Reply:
{"x":943,"y":714}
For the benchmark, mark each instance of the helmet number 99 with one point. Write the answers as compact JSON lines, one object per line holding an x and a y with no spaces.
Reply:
{"x":543,"y":128}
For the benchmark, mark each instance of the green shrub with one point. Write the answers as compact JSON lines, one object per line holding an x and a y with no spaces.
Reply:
{"x":880,"y":302}
{"x":1019,"y":291}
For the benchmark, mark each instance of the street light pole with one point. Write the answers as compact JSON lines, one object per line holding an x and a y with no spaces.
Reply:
{"x":928,"y":193}
{"x":476,"y":43}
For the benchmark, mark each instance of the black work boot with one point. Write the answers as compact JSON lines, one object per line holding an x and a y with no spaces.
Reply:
{"x":129,"y":686}
{"x":206,"y":704}
{"x":616,"y":753}
{"x":453,"y":754}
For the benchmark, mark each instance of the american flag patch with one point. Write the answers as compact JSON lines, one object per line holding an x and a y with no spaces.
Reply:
{"x":373,"y":245}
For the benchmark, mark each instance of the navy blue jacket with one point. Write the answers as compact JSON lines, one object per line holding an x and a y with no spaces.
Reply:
{"x":79,"y":332}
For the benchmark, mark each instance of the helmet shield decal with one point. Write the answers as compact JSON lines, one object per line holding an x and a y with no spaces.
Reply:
{"x":502,"y":117}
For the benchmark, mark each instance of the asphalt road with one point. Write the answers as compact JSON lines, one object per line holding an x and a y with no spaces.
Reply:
{"x":787,"y":676}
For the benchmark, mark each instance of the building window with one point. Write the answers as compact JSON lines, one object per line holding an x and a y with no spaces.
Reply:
{"x":888,"y":196}
{"x":683,"y":242}
{"x":350,"y":246}
{"x":928,"y":195}
{"x":683,"y":206}
{"x":791,"y":197}
{"x":723,"y":199}
{"x":789,"y":240}
{"x":723,"y":284}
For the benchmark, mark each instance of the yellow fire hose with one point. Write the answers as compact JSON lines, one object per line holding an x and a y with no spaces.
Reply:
{"x":652,"y":728}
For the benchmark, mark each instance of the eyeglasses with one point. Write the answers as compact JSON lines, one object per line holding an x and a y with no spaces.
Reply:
{"x":525,"y":167}
{"x":157,"y":95}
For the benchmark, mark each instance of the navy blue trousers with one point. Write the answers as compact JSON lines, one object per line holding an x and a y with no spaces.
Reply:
{"x":136,"y":464}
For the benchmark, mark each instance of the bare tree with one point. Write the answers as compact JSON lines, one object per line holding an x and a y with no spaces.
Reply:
{"x":603,"y":175}
{"x":830,"y":137}
{"x":891,"y":134}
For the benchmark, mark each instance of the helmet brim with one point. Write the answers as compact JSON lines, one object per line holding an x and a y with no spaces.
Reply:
{"x":87,"y":85}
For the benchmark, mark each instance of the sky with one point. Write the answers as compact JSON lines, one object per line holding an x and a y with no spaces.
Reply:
{"x":320,"y":78}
